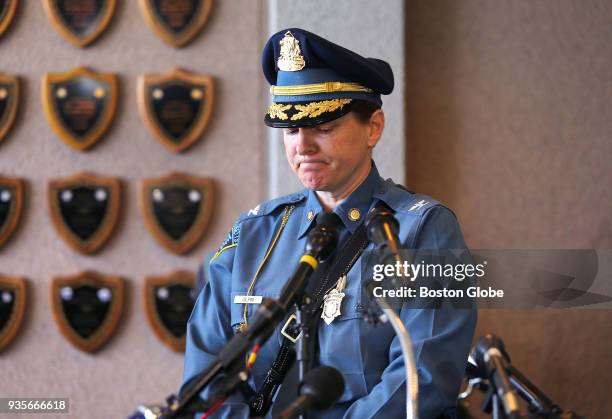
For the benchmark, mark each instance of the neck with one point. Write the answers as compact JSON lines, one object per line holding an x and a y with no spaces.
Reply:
{"x":331,"y":199}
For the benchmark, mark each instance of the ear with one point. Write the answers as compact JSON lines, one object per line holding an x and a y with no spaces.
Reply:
{"x":376,"y":126}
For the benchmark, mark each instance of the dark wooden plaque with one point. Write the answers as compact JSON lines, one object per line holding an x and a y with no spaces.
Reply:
{"x":13,"y":299}
{"x":176,"y":106}
{"x":80,"y":22}
{"x":87,"y":308}
{"x":7,"y":12}
{"x":11,"y":205}
{"x":84,"y":209}
{"x":176,"y":209}
{"x":9,"y":102}
{"x":169,"y":300}
{"x":176,"y":22}
{"x":80,"y":105}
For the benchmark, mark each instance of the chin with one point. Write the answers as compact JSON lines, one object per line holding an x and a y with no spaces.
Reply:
{"x":314,"y":182}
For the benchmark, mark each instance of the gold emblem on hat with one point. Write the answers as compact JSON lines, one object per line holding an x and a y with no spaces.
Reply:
{"x":291,"y":58}
{"x":354,"y":214}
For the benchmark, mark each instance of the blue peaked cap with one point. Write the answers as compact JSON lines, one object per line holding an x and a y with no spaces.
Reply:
{"x":314,"y":80}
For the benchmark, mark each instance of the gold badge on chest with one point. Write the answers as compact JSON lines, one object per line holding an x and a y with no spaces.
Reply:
{"x":332,"y":301}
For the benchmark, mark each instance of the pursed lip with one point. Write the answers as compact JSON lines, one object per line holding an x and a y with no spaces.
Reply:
{"x":311,"y":163}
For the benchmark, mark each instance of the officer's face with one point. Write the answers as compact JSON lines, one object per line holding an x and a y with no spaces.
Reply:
{"x":331,"y":156}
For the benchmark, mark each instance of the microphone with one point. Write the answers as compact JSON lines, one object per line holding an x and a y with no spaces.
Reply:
{"x":321,"y":241}
{"x":491,"y":359}
{"x":321,"y":388}
{"x":383,"y":228}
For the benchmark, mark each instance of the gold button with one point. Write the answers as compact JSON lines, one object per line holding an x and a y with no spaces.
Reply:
{"x":310,"y":215}
{"x":354,"y":214}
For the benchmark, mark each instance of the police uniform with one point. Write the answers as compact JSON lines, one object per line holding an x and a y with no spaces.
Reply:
{"x":266,"y":243}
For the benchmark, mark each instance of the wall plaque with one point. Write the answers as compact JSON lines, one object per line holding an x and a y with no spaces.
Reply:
{"x":80,"y":22}
{"x":84,"y":209}
{"x":176,"y":209}
{"x":80,"y":105}
{"x":176,"y":22}
{"x":87,"y":308}
{"x":176,"y":106}
{"x":169,"y":300}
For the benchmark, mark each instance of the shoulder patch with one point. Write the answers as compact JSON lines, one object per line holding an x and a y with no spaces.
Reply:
{"x":268,"y":207}
{"x":401,"y":199}
{"x":231,"y":240}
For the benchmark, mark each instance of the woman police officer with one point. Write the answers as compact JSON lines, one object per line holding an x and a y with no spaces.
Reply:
{"x":327,"y":101}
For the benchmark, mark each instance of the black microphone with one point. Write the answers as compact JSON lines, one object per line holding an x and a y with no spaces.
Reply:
{"x":321,"y":388}
{"x":492,"y":360}
{"x":320,"y":243}
{"x":383,"y":230}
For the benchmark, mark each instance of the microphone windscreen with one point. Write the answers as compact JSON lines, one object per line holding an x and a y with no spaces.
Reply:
{"x":324,"y":384}
{"x":328,"y":219}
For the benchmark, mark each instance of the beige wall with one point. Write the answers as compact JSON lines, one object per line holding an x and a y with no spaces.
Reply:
{"x":508,"y":121}
{"x":133,"y":367}
{"x":505,"y":121}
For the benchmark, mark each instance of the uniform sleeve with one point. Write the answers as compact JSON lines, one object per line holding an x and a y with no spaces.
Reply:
{"x":209,"y":329}
{"x":441,"y":342}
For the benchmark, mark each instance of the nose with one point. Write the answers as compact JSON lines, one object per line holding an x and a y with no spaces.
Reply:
{"x":305,"y":144}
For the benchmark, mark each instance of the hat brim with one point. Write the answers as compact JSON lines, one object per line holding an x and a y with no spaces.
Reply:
{"x":306,"y":114}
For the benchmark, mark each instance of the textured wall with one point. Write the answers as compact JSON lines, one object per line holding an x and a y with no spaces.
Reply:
{"x":372,"y":31}
{"x":508,"y":121}
{"x":133,"y":367}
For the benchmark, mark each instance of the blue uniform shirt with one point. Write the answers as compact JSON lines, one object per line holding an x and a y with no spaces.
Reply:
{"x":369,"y":357}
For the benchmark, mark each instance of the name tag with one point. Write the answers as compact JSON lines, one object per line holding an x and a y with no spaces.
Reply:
{"x":248,"y":299}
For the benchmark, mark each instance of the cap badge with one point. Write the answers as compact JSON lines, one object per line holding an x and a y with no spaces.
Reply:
{"x":291,"y":58}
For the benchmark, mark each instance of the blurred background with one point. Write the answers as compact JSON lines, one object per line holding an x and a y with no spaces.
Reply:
{"x":501,"y":111}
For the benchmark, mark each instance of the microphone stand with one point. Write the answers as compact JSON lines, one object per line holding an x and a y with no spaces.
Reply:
{"x":303,"y":317}
{"x":540,"y":405}
{"x":412,"y":378}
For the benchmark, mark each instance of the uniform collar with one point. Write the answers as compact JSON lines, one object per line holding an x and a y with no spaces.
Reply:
{"x":352,"y":211}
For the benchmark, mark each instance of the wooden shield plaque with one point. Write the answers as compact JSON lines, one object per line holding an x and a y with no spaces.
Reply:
{"x":9,"y":102}
{"x":79,"y":105}
{"x":85,"y":209}
{"x":176,"y":209}
{"x":176,"y":22}
{"x":11,"y":204}
{"x":12,"y":307}
{"x":87,"y":308}
{"x":7,"y":12}
{"x":80,"y":21}
{"x":168,"y":301}
{"x":176,"y":106}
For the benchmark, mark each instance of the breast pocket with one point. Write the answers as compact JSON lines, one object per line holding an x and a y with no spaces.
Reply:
{"x":237,"y":310}
{"x":339,"y":343}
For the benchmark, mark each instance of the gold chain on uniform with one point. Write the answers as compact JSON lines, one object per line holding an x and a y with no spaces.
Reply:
{"x":286,"y":214}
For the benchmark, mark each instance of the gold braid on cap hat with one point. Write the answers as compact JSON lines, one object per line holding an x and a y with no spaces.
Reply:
{"x":310,"y":110}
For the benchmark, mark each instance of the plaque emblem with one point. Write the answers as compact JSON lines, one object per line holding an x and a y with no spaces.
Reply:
{"x":87,"y":308}
{"x":9,"y":102}
{"x":176,"y":209}
{"x":11,"y":204}
{"x":80,"y":22}
{"x":12,"y":308}
{"x":84,"y":209}
{"x":79,"y":105}
{"x":168,"y":303}
{"x":176,"y":106}
{"x":176,"y":22}
{"x":7,"y":12}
